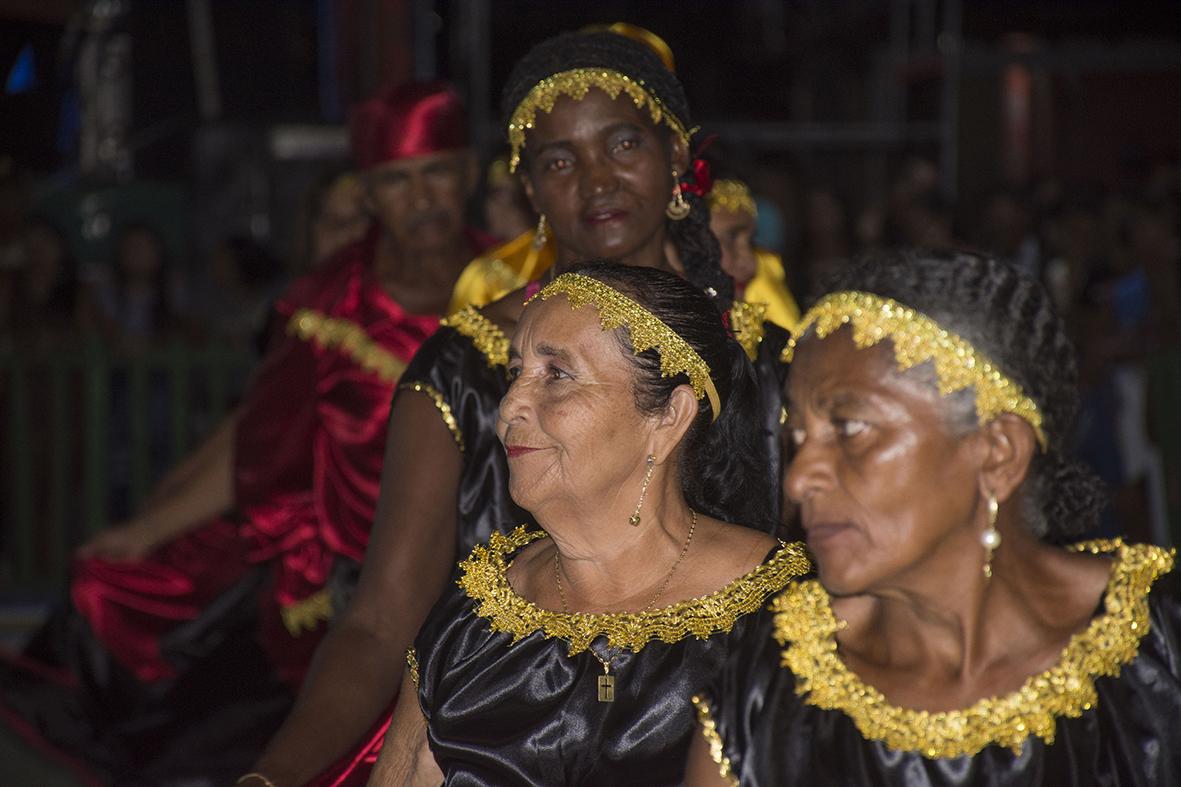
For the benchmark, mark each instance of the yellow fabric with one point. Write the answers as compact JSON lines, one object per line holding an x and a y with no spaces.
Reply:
{"x":514,"y":264}
{"x":769,"y":287}
{"x":508,"y":267}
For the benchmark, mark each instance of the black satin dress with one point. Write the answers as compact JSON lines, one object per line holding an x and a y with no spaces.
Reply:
{"x":466,"y":362}
{"x":764,"y":732}
{"x":509,"y":691}
{"x":772,"y":375}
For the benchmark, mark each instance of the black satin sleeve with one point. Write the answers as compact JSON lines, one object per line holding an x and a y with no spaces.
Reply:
{"x":1131,"y":737}
{"x":449,"y":363}
{"x":526,"y":713}
{"x":772,"y":375}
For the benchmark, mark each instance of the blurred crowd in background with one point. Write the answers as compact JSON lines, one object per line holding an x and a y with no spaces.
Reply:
{"x":110,"y":264}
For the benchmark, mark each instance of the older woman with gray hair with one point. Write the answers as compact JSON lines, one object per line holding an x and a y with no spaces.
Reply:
{"x":568,"y":655}
{"x":952,"y":634}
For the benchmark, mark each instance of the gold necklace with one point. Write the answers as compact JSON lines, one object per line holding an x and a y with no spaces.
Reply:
{"x":606,"y":681}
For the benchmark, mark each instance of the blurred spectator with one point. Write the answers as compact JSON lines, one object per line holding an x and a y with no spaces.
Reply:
{"x":1152,"y":246}
{"x":333,"y":215}
{"x":246,"y":279}
{"x":870,"y":230}
{"x":758,"y":273}
{"x":131,"y":309}
{"x":44,"y":289}
{"x":14,"y":201}
{"x":923,"y":220}
{"x":1006,"y":230}
{"x":732,"y":219}
{"x":14,"y":205}
{"x":827,"y":237}
{"x":1076,"y":252}
{"x":507,"y":212}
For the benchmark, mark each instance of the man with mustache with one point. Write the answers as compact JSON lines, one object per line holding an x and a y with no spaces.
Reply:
{"x":226,"y":570}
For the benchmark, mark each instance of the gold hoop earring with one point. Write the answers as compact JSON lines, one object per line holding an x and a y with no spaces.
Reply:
{"x":991,"y":537}
{"x":634,"y":519}
{"x":678,"y":208}
{"x":540,"y":238}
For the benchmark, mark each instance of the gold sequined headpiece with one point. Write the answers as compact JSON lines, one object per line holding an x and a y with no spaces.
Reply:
{"x":918,"y":338}
{"x":575,"y":84}
{"x":732,"y":196}
{"x":645,"y":329}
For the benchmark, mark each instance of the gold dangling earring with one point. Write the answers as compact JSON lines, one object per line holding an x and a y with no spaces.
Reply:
{"x":634,"y":519}
{"x":540,"y":238}
{"x":991,"y":537}
{"x":678,"y":208}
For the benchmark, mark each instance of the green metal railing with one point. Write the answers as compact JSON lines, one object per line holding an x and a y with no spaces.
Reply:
{"x":62,"y":419}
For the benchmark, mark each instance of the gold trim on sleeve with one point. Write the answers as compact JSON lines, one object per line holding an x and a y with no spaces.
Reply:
{"x":307,"y":613}
{"x":805,"y":624}
{"x":917,"y":338}
{"x":747,"y":324}
{"x":485,"y":335}
{"x":412,"y":665}
{"x":574,"y":84}
{"x":483,"y":579}
{"x":717,"y":750}
{"x":440,"y":405}
{"x":350,"y":339}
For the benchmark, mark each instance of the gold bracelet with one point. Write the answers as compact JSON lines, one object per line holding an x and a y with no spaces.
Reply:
{"x":255,"y":775}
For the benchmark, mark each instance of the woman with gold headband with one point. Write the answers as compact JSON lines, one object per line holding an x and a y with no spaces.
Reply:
{"x":759,"y":278}
{"x":953,"y":634}
{"x":568,"y":656}
{"x":599,"y":128}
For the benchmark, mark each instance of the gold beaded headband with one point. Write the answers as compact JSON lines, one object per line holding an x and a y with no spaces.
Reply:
{"x":645,"y":329}
{"x":732,"y":196}
{"x":575,"y":84}
{"x":918,"y":338}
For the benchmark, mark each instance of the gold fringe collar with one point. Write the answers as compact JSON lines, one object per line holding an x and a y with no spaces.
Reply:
{"x":918,"y":338}
{"x":348,"y":337}
{"x":806,"y":625}
{"x":575,"y":84}
{"x":485,"y":334}
{"x":483,"y":579}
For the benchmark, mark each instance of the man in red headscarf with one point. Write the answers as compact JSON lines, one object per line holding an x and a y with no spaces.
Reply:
{"x":229,"y":561}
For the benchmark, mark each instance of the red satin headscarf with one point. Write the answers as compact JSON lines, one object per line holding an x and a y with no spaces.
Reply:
{"x":406,"y":121}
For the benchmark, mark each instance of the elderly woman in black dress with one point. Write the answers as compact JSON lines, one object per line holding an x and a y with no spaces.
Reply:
{"x":952,"y":635}
{"x":568,"y":655}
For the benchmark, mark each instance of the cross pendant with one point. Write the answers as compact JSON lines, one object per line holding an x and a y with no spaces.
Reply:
{"x":606,"y":688}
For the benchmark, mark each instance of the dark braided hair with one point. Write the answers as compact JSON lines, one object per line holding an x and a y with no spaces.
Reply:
{"x":1010,"y":318}
{"x":723,"y":462}
{"x":698,"y":249}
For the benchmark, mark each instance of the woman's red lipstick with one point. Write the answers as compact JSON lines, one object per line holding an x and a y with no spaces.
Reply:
{"x":518,"y":450}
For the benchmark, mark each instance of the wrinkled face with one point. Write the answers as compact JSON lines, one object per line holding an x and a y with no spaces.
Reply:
{"x":420,"y":201}
{"x":601,"y":172}
{"x":882,"y":482}
{"x":341,"y":218}
{"x":735,"y":232}
{"x":569,"y":422}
